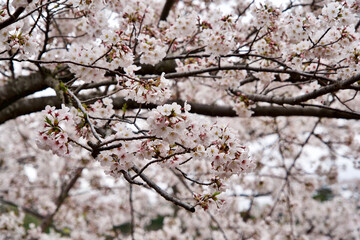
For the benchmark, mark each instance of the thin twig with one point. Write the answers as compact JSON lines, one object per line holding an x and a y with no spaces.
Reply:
{"x":164,"y":194}
{"x":132,"y":224}
{"x":96,"y":135}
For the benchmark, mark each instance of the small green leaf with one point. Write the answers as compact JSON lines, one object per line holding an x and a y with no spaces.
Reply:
{"x":48,"y":121}
{"x":216,"y":193}
{"x":124,"y":108}
{"x":63,"y":87}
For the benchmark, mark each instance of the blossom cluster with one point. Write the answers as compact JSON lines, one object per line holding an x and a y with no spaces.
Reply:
{"x":337,"y":13}
{"x":118,"y":54}
{"x":226,"y":154}
{"x":152,"y":50}
{"x":183,"y":27}
{"x":168,"y":122}
{"x":219,"y":37}
{"x":174,"y":137}
{"x":102,"y":108}
{"x":266,"y":15}
{"x":202,"y":141}
{"x":53,"y":136}
{"x":116,"y":160}
{"x":136,"y":12}
{"x":146,"y":90}
{"x":86,"y":55}
{"x":62,"y":124}
{"x":17,"y":40}
{"x":218,"y":43}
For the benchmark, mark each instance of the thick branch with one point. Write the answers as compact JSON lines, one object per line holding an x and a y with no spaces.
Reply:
{"x":166,"y":9}
{"x":12,"y":18}
{"x":309,"y":111}
{"x":21,"y":87}
{"x":166,"y":66}
{"x":245,"y":67}
{"x":27,"y":106}
{"x":305,"y":97}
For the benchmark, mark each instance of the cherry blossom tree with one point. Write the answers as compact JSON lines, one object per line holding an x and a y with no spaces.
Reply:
{"x":179,"y":119}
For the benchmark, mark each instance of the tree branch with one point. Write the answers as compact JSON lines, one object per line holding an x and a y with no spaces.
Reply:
{"x":243,"y":67}
{"x":21,"y":87}
{"x":162,"y":192}
{"x":26,"y":106}
{"x":166,"y":9}
{"x":61,"y":198}
{"x":302,"y":98}
{"x":96,"y":135}
{"x":12,"y":18}
{"x":30,"y":105}
{"x":26,"y":210}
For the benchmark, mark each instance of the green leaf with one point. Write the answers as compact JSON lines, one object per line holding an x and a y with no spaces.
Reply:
{"x":63,"y":87}
{"x":124,"y":107}
{"x":216,"y":193}
{"x":48,"y":121}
